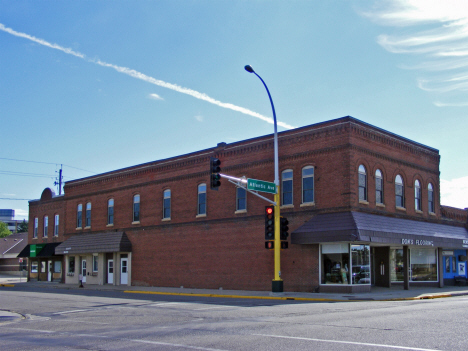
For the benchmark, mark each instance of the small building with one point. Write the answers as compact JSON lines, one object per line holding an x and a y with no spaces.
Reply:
{"x":363,"y":206}
{"x":10,"y":248}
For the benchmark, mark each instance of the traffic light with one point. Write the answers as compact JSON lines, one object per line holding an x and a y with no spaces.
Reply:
{"x":270,"y":245}
{"x":214,"y":173}
{"x":269,"y":222}
{"x":284,"y":245}
{"x":284,"y":228}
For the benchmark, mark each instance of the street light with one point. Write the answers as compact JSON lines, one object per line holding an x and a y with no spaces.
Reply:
{"x":277,"y":283}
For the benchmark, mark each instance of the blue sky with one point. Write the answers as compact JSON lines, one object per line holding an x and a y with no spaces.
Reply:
{"x":101,"y":85}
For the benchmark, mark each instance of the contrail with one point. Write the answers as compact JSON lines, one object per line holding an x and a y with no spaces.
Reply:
{"x":138,"y":75}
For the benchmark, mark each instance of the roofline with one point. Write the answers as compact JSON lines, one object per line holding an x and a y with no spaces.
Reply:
{"x":238,"y":143}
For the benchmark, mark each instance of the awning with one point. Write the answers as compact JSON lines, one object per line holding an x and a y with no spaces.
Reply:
{"x":89,"y":243}
{"x":39,"y":250}
{"x":364,"y":227}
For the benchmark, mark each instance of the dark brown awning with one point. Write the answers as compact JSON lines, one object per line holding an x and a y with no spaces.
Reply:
{"x":370,"y":228}
{"x":89,"y":243}
{"x":39,"y":250}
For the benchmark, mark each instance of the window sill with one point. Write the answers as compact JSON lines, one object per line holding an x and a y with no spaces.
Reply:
{"x":286,"y":206}
{"x":45,"y":237}
{"x":398,"y":208}
{"x":419,"y":211}
{"x":307,"y":204}
{"x":201,"y":215}
{"x":380,"y":205}
{"x":136,"y":222}
{"x":432,"y":214}
{"x":166,"y":219}
{"x":364,"y":202}
{"x":240,"y":211}
{"x":87,"y":227}
{"x":78,"y":228}
{"x":35,"y":238}
{"x":110,"y":225}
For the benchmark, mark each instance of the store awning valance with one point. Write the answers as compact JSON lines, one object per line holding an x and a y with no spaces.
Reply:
{"x":95,"y":243}
{"x":365,"y":227}
{"x":39,"y":250}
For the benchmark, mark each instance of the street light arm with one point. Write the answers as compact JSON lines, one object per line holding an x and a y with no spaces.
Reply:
{"x":249,"y":69}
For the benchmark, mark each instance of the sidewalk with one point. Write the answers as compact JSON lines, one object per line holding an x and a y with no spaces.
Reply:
{"x":395,"y":293}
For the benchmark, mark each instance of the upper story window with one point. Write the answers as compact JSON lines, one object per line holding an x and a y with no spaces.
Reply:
{"x":362,"y":183}
{"x":430,"y":196}
{"x":287,"y":187}
{"x":241,"y":199}
{"x":79,"y":215}
{"x":378,"y":187}
{"x":110,"y":212}
{"x":88,"y":214}
{"x":201,"y":199}
{"x":308,"y":184}
{"x":417,"y":195}
{"x":399,"y":192}
{"x":167,"y":204}
{"x":56,"y":225}
{"x":36,"y":225}
{"x":46,"y":226}
{"x":136,"y":208}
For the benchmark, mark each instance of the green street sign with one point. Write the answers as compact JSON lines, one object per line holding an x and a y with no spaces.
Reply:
{"x":261,"y":185}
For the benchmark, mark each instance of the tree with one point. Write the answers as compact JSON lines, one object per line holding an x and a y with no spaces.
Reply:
{"x":23,"y":227}
{"x":4,"y":232}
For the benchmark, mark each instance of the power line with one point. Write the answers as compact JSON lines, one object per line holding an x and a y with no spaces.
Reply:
{"x":10,"y":198}
{"x":37,"y":175}
{"x":47,"y":163}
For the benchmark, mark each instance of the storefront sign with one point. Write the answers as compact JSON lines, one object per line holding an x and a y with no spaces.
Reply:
{"x":465,"y":243}
{"x":417,"y":242}
{"x":447,"y":253}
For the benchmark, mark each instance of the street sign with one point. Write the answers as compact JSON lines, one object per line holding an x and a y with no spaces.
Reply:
{"x":261,"y":185}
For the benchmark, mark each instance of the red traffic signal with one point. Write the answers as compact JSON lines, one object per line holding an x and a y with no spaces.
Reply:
{"x":270,"y":245}
{"x":269,"y":222}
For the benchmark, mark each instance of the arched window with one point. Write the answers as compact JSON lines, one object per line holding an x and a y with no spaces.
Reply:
{"x":308,"y":184}
{"x":88,"y":214}
{"x":362,"y":183}
{"x":46,"y":226}
{"x":110,"y":212}
{"x":79,"y":215}
{"x":287,"y":187}
{"x":36,"y":224}
{"x":399,"y":192}
{"x":202,"y":199}
{"x":430,"y":196}
{"x":136,"y":208}
{"x":417,"y":195}
{"x":56,"y":225}
{"x":379,"y":199}
{"x":167,"y":204}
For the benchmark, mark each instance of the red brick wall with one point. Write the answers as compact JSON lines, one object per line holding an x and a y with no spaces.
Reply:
{"x":225,"y":249}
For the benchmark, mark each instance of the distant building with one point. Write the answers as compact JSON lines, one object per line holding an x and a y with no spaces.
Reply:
{"x":363,"y":206}
{"x":8,"y":216}
{"x":10,"y":247}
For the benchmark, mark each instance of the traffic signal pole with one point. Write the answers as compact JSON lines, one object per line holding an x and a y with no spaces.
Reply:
{"x":277,"y":284}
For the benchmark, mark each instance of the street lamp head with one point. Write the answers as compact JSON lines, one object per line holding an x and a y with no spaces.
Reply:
{"x":249,"y":69}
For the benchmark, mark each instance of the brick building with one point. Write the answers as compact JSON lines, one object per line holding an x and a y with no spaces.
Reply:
{"x":363,"y":207}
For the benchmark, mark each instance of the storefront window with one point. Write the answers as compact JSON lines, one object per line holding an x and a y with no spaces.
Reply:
{"x":71,"y":264}
{"x":34,"y":267}
{"x":335,"y":262}
{"x":423,"y":265}
{"x":360,"y":261}
{"x":43,"y":266}
{"x":396,"y":264}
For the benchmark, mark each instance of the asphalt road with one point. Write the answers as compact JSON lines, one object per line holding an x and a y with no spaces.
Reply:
{"x":52,"y":319}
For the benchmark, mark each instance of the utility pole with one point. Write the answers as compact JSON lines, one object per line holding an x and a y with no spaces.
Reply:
{"x":59,"y":181}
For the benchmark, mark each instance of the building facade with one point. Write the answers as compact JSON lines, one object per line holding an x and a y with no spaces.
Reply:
{"x":363,"y":207}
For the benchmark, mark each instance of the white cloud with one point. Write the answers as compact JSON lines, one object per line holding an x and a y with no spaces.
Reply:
{"x":138,"y":75}
{"x":436,"y":30}
{"x":21,"y":214}
{"x":199,"y":118}
{"x":454,"y":192}
{"x":155,"y":97}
